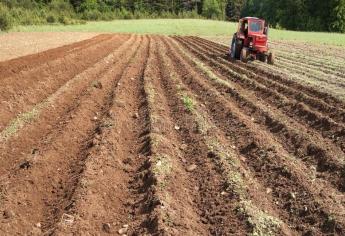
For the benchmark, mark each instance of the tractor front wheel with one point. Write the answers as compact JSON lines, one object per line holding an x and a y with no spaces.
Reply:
{"x":270,"y":58}
{"x":244,"y":55}
{"x":262,"y":57}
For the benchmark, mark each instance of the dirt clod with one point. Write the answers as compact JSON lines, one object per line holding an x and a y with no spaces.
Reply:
{"x":106,"y":227}
{"x":25,"y":165}
{"x":184,"y":146}
{"x":67,"y":219}
{"x":123,"y":231}
{"x":97,"y":84}
{"x":192,"y":167}
{"x":8,"y":214}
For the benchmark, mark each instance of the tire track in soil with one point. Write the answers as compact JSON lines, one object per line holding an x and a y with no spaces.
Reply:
{"x":100,"y":202}
{"x":42,"y":189}
{"x":24,"y":89}
{"x":267,"y":161}
{"x":323,"y":101}
{"x":328,"y":128}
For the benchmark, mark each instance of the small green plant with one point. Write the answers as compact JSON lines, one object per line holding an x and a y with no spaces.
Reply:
{"x":188,"y":103}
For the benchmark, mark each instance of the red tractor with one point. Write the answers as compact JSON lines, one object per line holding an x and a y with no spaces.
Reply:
{"x":250,"y":41}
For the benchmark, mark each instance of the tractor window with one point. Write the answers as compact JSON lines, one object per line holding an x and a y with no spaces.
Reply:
{"x":256,"y":26}
{"x":244,"y":28}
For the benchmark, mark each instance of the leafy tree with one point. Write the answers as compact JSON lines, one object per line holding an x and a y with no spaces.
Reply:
{"x":338,"y":23}
{"x":234,"y":9}
{"x":211,"y":9}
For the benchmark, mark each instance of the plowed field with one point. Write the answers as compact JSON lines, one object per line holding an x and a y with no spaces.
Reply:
{"x":156,"y":135}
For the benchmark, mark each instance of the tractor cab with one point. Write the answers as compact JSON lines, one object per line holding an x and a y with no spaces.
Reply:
{"x":251,"y":37}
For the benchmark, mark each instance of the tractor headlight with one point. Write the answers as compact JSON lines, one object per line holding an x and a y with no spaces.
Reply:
{"x":250,"y":44}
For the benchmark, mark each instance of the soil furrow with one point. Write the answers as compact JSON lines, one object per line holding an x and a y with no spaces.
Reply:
{"x":268,"y":158}
{"x":298,"y":111}
{"x":99,"y":203}
{"x":311,"y":74}
{"x":304,"y":79}
{"x":206,"y":182}
{"x":162,"y":208}
{"x":156,"y":135}
{"x":315,"y":71}
{"x":272,"y":79}
{"x":20,"y":92}
{"x":37,"y":127}
{"x":17,"y":65}
{"x":323,"y":65}
{"x":334,"y":65}
{"x":299,"y":141}
{"x":42,"y":186}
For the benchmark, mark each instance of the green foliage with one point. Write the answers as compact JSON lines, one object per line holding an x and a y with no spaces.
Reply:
{"x":234,"y":9}
{"x":338,"y":23}
{"x":51,"y":19}
{"x":188,"y":103}
{"x":211,"y":9}
{"x":6,"y":21}
{"x":306,"y":15}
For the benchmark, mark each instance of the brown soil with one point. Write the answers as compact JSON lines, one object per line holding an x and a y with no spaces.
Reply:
{"x":18,"y":44}
{"x":154,"y":135}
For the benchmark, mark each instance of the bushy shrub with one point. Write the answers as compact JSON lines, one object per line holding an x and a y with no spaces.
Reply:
{"x":63,"y":20}
{"x":91,"y":15}
{"x":211,"y":9}
{"x":60,"y":6}
{"x":51,"y":19}
{"x":6,"y":21}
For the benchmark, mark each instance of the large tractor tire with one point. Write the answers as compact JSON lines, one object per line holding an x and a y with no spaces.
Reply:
{"x":262,"y":57}
{"x":236,"y":47}
{"x":270,"y":58}
{"x":244,"y":55}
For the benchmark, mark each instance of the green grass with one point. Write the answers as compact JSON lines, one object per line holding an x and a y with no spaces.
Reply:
{"x":183,"y":27}
{"x":188,"y":103}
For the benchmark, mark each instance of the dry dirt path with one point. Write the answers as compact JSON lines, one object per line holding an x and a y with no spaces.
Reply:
{"x":156,"y":135}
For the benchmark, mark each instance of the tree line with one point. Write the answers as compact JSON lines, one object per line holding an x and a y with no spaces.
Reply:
{"x":309,"y":15}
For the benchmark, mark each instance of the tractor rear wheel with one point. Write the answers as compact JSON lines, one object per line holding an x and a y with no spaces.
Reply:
{"x":244,"y":55}
{"x":270,"y":58}
{"x":233,"y":50}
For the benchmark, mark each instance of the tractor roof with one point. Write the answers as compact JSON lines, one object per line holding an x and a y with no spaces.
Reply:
{"x":251,"y":18}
